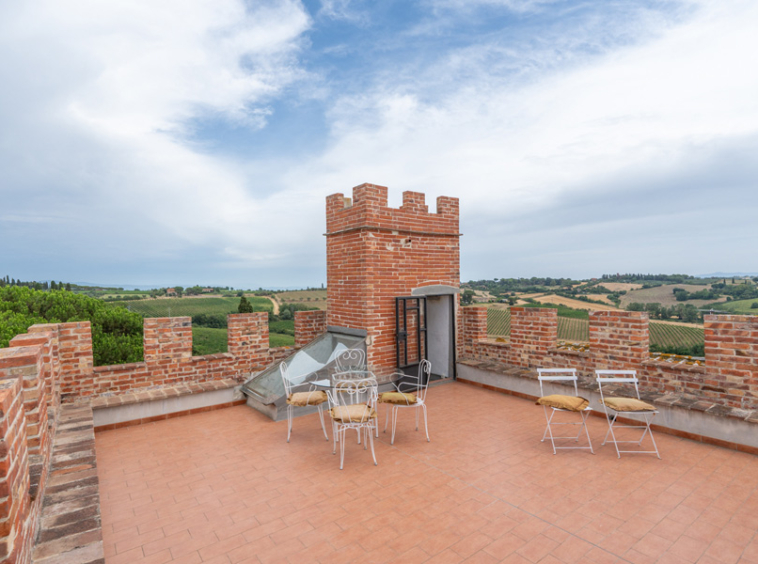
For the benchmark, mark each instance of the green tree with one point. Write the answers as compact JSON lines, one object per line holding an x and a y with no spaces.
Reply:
{"x":245,"y":306}
{"x":467,"y":297}
{"x":116,"y":332}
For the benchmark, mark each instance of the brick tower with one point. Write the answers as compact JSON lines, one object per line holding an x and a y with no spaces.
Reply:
{"x":375,"y":253}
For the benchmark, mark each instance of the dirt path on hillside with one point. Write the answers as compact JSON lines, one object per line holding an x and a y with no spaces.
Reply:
{"x":276,"y":304}
{"x":576,"y":304}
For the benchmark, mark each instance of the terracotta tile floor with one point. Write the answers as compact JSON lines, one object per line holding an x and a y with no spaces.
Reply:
{"x":225,"y":487}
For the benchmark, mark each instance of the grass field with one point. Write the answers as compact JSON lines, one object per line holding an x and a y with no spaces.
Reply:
{"x":499,"y":325}
{"x":178,"y":307}
{"x":286,"y":327}
{"x":312,"y":298}
{"x":620,"y":286}
{"x":739,"y":306}
{"x":207,"y":340}
{"x":576,"y":330}
{"x":667,"y":335}
{"x":661,"y":334}
{"x":663,"y":295}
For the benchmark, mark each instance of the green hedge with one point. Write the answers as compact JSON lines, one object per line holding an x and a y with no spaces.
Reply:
{"x":116,"y":332}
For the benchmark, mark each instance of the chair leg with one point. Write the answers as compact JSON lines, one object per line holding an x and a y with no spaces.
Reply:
{"x":416,"y":410}
{"x":371,"y":440}
{"x":335,"y":436}
{"x":585,"y":415}
{"x":289,"y":422}
{"x":426,"y":423}
{"x":321,"y":417}
{"x":548,"y":428}
{"x":655,"y":446}
{"x":610,"y":430}
{"x":394,"y":423}
{"x":342,"y":448}
{"x":387,"y":419}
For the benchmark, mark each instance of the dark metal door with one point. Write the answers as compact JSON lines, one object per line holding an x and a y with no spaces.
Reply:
{"x":410,"y":328}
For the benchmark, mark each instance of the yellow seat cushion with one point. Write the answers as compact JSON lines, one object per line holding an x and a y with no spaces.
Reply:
{"x":628,"y":404}
{"x":356,"y":413}
{"x":301,"y":399}
{"x":397,"y":398}
{"x":569,"y":403}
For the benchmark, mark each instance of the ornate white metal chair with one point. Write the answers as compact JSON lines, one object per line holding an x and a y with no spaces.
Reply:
{"x":351,"y":402}
{"x":410,"y":392}
{"x":313,"y":397}
{"x":351,"y":360}
{"x":555,"y":403}
{"x":626,"y":407}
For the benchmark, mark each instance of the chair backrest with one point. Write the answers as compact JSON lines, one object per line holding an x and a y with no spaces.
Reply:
{"x":617,"y":377}
{"x":417,"y":384}
{"x":351,"y":359}
{"x":557,"y":375}
{"x":285,"y":379}
{"x":347,"y":390}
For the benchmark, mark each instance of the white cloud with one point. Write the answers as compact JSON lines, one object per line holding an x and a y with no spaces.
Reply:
{"x":97,"y":131}
{"x":511,"y":147}
{"x":102,"y":101}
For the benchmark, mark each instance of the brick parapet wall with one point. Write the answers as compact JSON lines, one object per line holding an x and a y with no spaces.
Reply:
{"x":64,"y":367}
{"x":473,"y":330}
{"x":534,"y":331}
{"x":620,"y":341}
{"x":169,"y":360}
{"x":27,"y":364}
{"x":308,"y":326}
{"x":74,"y":352}
{"x":167,"y":338}
{"x":731,"y":353}
{"x":50,"y":333}
{"x":248,"y":340}
{"x":376,"y":253}
{"x":15,"y":505}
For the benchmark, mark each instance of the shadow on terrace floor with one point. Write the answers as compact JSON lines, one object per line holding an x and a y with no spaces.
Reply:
{"x":225,"y":487}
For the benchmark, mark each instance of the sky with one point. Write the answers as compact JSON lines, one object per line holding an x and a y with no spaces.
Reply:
{"x":182,"y":142}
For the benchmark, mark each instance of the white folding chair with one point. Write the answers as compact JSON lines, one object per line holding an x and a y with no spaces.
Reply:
{"x":351,"y":402}
{"x":312,"y":397}
{"x":626,"y":406}
{"x":555,"y":403}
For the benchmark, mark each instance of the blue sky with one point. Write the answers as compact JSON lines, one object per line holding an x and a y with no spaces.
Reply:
{"x":183,"y":142}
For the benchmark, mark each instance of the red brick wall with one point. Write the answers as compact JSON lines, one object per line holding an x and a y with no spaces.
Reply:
{"x":474,"y":330}
{"x":167,"y":338}
{"x":67,"y":366}
{"x":534,"y":331}
{"x":15,"y":503}
{"x":75,"y":353}
{"x":731,"y":352}
{"x":620,"y":340}
{"x":248,"y":341}
{"x":52,"y":365}
{"x":376,"y":253}
{"x":29,"y":366}
{"x":308,"y":326}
